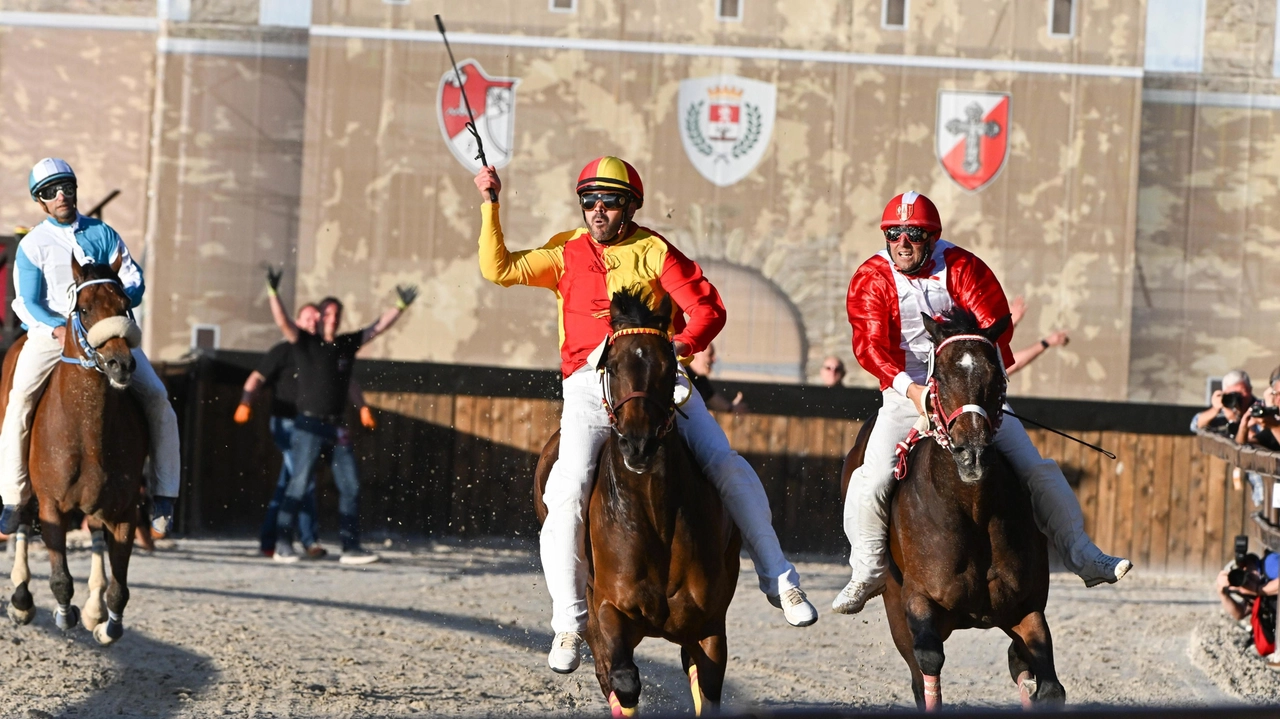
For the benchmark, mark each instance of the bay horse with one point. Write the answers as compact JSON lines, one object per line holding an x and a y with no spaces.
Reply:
{"x":88,"y":443}
{"x":661,"y":549}
{"x":965,"y":552}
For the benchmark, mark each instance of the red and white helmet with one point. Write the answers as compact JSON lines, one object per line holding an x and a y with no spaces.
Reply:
{"x":911,"y":209}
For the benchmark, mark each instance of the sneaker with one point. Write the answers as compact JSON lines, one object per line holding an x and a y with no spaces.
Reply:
{"x":284,"y":553}
{"x":161,"y":516}
{"x":357,"y":555}
{"x":1105,"y":569}
{"x":566,"y":652}
{"x":315,"y":551}
{"x":795,"y":607}
{"x":855,"y":596}
{"x":268,"y":553}
{"x":9,"y":519}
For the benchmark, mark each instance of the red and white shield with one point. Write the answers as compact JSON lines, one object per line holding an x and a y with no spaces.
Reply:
{"x":972,"y":136}
{"x":493,"y":101}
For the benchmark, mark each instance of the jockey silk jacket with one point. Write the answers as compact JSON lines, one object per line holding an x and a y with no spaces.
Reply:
{"x":584,"y":275}
{"x":885,"y":305}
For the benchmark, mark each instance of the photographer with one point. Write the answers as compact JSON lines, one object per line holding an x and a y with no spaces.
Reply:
{"x":1247,"y":588}
{"x":1227,"y":406}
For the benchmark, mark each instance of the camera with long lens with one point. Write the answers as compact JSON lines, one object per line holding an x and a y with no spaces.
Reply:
{"x":1233,"y":400}
{"x":1245,"y":561}
{"x":1260,"y":411}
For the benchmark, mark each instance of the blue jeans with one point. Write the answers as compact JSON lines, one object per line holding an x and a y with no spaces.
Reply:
{"x":282,"y":435}
{"x":310,"y":438}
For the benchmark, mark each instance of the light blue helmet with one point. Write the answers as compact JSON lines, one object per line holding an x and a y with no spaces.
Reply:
{"x":48,"y":171}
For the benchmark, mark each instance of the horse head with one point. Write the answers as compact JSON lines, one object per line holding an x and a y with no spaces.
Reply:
{"x":967,"y":387}
{"x":639,"y":377}
{"x":101,"y":332}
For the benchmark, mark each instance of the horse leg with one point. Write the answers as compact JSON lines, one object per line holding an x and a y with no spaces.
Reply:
{"x":705,"y":664}
{"x":901,"y":633}
{"x":1020,"y":670}
{"x":22,"y":608}
{"x":66,"y":615}
{"x":95,"y":607}
{"x":1032,"y":640}
{"x":613,"y":644}
{"x":923,"y":618}
{"x":119,"y":548}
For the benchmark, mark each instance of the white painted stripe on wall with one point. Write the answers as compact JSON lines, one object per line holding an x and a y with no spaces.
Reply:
{"x":748,"y":53}
{"x":1212,"y":99}
{"x":235,"y":48}
{"x":74,"y":21}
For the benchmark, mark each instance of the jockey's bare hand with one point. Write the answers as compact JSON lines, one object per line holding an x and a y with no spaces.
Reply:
{"x":60,"y":332}
{"x":1058,"y":339}
{"x":918,"y":394}
{"x":682,"y":349}
{"x":487,"y":179}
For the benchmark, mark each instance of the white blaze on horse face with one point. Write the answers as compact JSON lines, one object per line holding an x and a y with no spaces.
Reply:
{"x":967,"y":362}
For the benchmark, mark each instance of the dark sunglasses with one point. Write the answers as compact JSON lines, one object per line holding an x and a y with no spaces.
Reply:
{"x":611,"y":200}
{"x":915,"y":235}
{"x":48,"y":192}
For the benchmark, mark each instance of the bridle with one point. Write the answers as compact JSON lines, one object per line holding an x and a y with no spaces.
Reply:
{"x":606,"y":397}
{"x":90,"y":358}
{"x":939,"y":417}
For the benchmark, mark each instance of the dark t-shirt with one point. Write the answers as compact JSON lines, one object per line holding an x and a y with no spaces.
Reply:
{"x":281,"y":374}
{"x":324,"y":372}
{"x":702,"y":384}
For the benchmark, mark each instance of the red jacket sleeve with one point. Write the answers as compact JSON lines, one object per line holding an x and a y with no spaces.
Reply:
{"x":877,"y":330}
{"x":974,"y":287}
{"x":682,"y":278}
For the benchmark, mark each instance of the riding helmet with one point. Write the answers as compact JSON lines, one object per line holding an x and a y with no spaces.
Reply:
{"x":911,"y":209}
{"x":611,"y":173}
{"x":48,"y":171}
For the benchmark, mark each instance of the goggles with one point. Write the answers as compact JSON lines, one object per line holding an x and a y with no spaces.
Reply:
{"x":611,"y":200}
{"x":915,"y":235}
{"x":49,"y":192}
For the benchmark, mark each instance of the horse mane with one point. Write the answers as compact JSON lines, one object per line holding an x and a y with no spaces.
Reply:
{"x":97,"y":271}
{"x":629,"y":309}
{"x":959,"y":321}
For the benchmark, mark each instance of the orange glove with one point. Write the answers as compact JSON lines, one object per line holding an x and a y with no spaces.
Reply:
{"x":366,"y":418}
{"x":242,"y":413}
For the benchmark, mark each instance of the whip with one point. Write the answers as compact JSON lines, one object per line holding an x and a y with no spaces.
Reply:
{"x":1094,"y":447}
{"x":471,"y":118}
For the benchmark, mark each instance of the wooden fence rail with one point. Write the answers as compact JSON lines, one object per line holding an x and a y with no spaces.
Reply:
{"x":460,"y":464}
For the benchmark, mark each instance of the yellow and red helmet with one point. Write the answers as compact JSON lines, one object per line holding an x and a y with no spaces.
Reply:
{"x":911,"y":209}
{"x":610,"y":173}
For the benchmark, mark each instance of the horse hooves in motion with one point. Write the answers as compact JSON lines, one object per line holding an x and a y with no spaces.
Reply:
{"x":88,"y":442}
{"x":964,"y":548}
{"x":662,"y":552}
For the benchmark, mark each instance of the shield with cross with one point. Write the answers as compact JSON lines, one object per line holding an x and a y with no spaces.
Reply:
{"x":972,"y":137}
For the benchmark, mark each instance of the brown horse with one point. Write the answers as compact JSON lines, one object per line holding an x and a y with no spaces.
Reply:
{"x":964,"y":548}
{"x":661,"y":549}
{"x":87,"y":446}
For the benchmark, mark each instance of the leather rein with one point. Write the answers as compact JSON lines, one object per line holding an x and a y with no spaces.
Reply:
{"x":606,"y":397}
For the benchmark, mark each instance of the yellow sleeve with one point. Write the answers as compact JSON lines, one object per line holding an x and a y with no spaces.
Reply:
{"x":538,"y":268}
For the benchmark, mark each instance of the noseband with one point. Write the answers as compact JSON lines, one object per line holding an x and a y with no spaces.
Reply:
{"x":90,"y":340}
{"x":606,"y":396}
{"x":939,"y":417}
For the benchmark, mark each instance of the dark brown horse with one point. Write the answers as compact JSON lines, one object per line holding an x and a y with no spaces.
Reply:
{"x":662,"y":550}
{"x":965,"y":550}
{"x":87,"y":446}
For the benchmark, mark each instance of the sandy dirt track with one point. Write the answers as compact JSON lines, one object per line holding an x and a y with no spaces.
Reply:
{"x":454,"y":628}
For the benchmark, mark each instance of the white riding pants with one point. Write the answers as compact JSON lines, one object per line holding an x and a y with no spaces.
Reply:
{"x":866,"y":507}
{"x":35,"y":363}
{"x":584,"y":427}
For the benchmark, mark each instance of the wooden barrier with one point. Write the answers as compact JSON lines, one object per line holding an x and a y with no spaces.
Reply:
{"x":461,"y":464}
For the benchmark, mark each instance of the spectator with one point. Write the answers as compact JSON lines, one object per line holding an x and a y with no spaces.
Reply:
{"x":324,"y":361}
{"x":832,"y":372}
{"x":1227,"y":406}
{"x":1247,"y":588}
{"x":1027,"y":355}
{"x":699,"y":370}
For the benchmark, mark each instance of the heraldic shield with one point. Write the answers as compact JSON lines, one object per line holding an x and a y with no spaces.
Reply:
{"x":973,"y":136}
{"x":493,"y":100}
{"x":725,"y":124}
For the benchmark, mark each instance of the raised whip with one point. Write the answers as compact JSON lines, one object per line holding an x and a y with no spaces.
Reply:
{"x":471,"y":118}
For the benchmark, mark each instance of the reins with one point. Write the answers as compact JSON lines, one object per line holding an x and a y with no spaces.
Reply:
{"x":90,"y":357}
{"x":606,"y":397}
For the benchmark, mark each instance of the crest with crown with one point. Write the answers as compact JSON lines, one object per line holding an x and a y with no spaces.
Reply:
{"x":725,"y":124}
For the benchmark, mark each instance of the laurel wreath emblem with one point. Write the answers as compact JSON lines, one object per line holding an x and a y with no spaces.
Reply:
{"x":752,"y":135}
{"x":755,"y":123}
{"x":694,"y":130}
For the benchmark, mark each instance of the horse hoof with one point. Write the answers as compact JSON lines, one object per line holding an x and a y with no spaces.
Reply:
{"x":1027,"y":689}
{"x":108,"y":632}
{"x":21,"y":616}
{"x":67,"y":620}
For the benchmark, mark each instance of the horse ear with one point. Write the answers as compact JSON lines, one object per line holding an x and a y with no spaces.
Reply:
{"x":77,"y":272}
{"x":998,"y":328}
{"x":117,"y":263}
{"x":615,"y":309}
{"x":931,"y":326}
{"x":662,"y":320}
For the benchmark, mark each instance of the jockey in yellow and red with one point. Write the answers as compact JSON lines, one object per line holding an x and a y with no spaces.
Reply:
{"x":584,"y":267}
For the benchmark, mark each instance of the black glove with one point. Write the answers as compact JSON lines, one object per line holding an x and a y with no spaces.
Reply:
{"x":273,"y":278}
{"x":407,"y":294}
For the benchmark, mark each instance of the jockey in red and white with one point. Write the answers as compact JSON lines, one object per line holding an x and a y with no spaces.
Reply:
{"x":917,"y":273}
